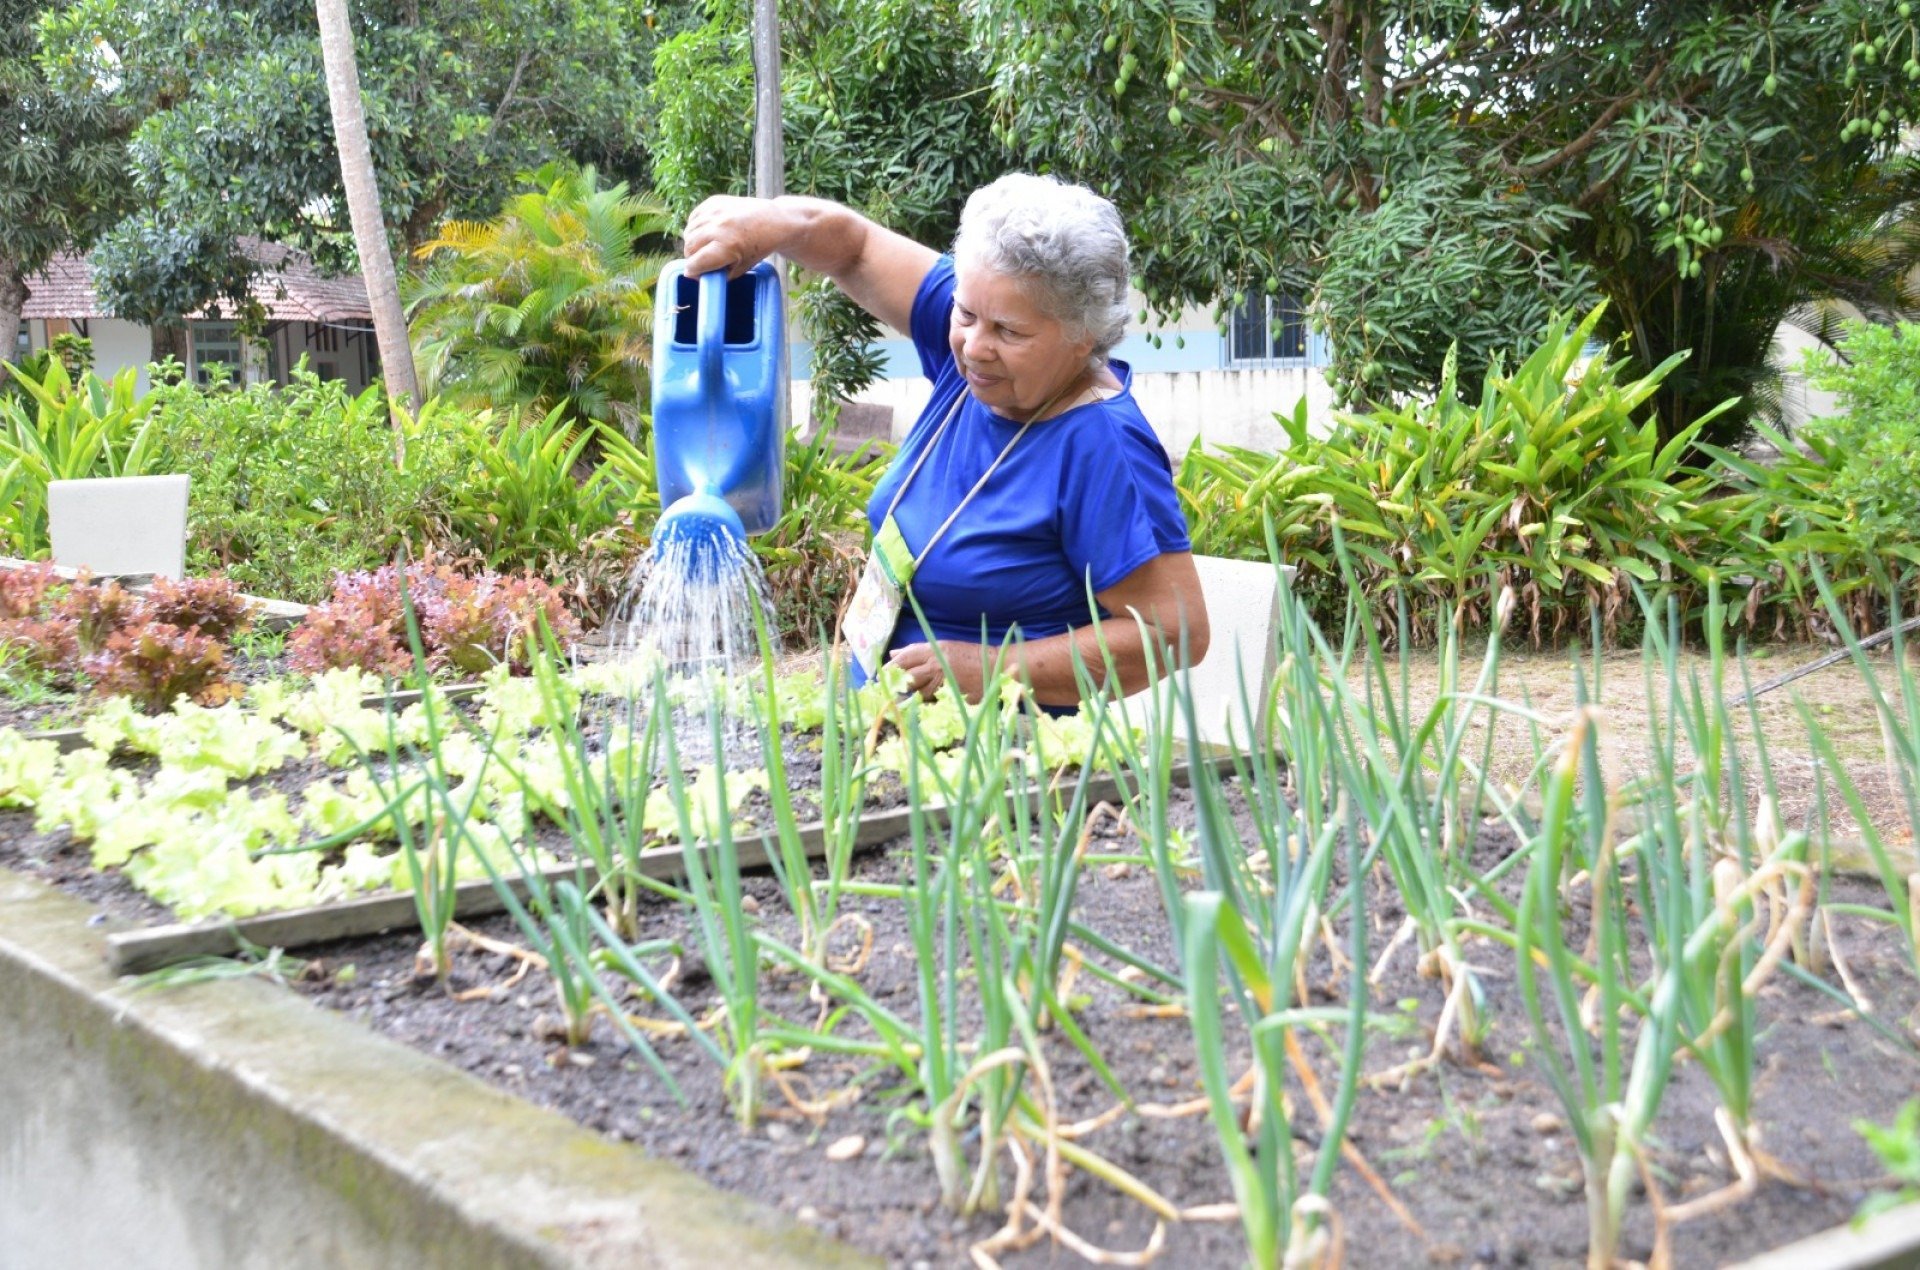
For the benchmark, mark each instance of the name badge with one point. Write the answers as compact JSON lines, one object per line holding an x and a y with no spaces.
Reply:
{"x":875,"y":608}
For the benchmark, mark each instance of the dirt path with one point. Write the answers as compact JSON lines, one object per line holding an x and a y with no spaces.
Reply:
{"x":1837,"y":697}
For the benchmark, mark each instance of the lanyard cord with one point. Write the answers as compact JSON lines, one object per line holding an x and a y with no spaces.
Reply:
{"x":978,"y":485}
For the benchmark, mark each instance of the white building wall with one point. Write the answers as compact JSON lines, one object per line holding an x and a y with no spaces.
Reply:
{"x":117,"y":344}
{"x":1221,"y":407}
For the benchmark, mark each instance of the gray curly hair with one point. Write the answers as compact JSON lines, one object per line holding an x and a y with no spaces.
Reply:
{"x":1065,"y":240}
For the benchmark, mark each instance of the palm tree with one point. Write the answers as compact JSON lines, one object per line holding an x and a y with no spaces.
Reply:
{"x":363,"y":201}
{"x":549,"y":302}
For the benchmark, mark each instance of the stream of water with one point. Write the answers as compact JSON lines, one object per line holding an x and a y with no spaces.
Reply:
{"x":689,"y":608}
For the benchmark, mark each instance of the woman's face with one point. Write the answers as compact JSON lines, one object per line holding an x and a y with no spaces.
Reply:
{"x":1016,"y":357}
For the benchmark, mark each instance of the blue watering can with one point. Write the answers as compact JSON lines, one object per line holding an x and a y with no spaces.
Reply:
{"x":719,"y":405}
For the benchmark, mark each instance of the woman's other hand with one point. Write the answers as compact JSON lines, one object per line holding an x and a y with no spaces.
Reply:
{"x":924,"y":672}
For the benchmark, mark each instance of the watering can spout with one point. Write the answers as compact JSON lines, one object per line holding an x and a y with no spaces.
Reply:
{"x":719,"y":403}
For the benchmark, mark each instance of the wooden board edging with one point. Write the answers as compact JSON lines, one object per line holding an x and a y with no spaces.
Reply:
{"x":140,"y":951}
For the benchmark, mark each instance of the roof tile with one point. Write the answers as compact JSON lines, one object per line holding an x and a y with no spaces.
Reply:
{"x":297,"y":292}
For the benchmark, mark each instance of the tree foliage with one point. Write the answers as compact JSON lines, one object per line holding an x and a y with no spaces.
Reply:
{"x":551,"y":301}
{"x":884,"y":110}
{"x":237,"y":139}
{"x":1438,"y":170}
{"x":62,"y":172}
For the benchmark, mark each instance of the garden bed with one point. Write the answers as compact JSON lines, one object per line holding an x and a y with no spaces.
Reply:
{"x":1477,"y":1152}
{"x":1450,"y":1145}
{"x":229,"y":1124}
{"x":1015,"y":1030}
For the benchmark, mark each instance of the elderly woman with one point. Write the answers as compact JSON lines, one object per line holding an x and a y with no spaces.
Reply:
{"x":1031,"y":477}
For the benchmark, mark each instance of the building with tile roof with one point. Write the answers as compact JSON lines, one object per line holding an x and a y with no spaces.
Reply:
{"x":325,"y":320}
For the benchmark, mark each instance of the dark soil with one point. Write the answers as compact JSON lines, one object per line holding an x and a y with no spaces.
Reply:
{"x":1476,"y":1150}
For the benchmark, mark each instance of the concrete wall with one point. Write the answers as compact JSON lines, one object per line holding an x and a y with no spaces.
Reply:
{"x":233,"y":1126}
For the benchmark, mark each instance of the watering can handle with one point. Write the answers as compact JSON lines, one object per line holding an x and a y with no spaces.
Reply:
{"x":712,"y":330}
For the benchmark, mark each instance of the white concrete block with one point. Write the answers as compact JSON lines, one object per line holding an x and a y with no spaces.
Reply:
{"x":1243,"y":605}
{"x":120,"y":524}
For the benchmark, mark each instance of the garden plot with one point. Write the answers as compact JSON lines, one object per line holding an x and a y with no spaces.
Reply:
{"x":272,"y":821}
{"x":1362,"y":1000}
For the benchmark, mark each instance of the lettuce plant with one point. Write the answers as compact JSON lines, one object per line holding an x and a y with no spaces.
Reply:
{"x":210,"y":606}
{"x":155,"y":664}
{"x":467,"y":624}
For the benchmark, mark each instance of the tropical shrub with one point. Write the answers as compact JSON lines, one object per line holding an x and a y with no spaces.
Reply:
{"x":551,"y":496}
{"x":59,"y":428}
{"x":1877,"y":438}
{"x":291,"y":485}
{"x":465,"y":623}
{"x":549,"y":305}
{"x":75,"y":352}
{"x":1559,"y":485}
{"x":1557,"y":482}
{"x":1775,"y":514}
{"x":520,"y":501}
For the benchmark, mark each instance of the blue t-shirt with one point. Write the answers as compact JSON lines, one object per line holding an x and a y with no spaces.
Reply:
{"x":1086,"y":495}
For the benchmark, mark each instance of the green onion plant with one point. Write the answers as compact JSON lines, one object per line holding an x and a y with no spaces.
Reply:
{"x":723,"y":926}
{"x":1610,"y":1083}
{"x":1895,"y":694}
{"x":1722,"y":896}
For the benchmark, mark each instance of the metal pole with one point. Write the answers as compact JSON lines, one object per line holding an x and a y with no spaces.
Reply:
{"x":769,"y":145}
{"x":769,"y":150}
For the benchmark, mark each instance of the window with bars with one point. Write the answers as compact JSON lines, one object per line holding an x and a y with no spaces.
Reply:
{"x":23,"y":343}
{"x":215,"y":342}
{"x":220,"y":342}
{"x":1266,"y":330}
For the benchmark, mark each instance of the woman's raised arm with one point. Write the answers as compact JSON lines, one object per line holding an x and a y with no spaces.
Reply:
{"x":880,"y":270}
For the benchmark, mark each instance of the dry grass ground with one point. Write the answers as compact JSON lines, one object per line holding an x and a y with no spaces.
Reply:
{"x":1837,"y":697}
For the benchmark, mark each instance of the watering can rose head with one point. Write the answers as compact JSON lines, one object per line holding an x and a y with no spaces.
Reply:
{"x":699,"y":519}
